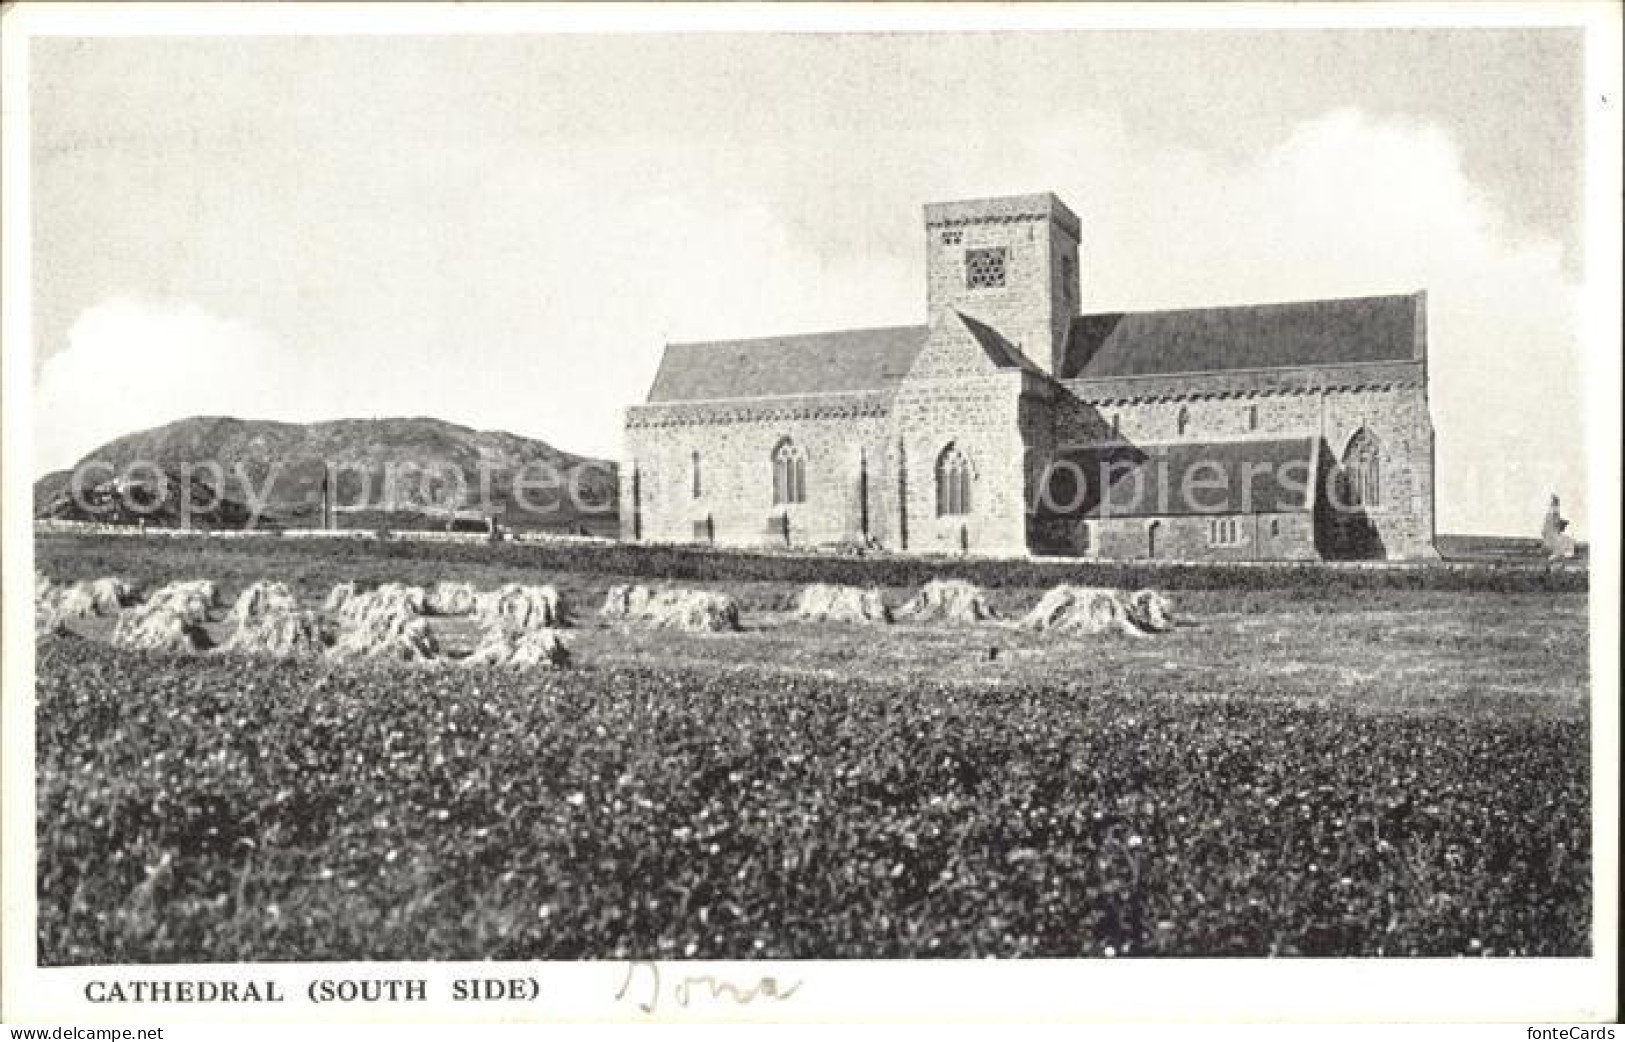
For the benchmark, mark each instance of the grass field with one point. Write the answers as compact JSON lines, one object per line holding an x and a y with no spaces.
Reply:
{"x":1298,"y":770}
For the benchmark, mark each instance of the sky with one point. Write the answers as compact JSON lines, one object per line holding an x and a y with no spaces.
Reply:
{"x":503,"y":231}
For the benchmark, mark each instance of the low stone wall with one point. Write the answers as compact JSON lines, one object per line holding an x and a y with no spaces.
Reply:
{"x":54,"y":527}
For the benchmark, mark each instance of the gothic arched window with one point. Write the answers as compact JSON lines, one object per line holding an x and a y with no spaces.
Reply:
{"x":953,"y":482}
{"x":789,"y":473}
{"x":1184,"y":420}
{"x":1362,"y":470}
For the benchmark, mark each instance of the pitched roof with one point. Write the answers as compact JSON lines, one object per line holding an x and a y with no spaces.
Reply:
{"x":812,"y":363}
{"x":1265,"y":336}
{"x":1223,"y":477}
{"x":999,"y":351}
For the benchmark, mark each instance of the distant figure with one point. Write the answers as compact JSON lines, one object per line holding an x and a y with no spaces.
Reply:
{"x":1559,"y":545}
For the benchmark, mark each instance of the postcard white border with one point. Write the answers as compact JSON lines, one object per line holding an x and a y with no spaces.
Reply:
{"x":1576,"y":990}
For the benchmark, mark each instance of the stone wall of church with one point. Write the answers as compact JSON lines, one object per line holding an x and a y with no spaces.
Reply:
{"x":1036,"y":416}
{"x":871,"y":465}
{"x":981,"y":417}
{"x":1335,"y":402}
{"x":1288,"y":536}
{"x":844,"y":443}
{"x":1403,"y":521}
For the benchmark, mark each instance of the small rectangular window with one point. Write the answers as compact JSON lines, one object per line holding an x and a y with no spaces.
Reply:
{"x":984,"y":268}
{"x":1224,"y":531}
{"x":953,"y":237}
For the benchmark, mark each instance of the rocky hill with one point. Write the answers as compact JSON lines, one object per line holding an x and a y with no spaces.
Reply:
{"x":407,"y":472}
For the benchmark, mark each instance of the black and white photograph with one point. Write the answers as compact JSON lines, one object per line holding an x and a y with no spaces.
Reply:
{"x":768,"y":512}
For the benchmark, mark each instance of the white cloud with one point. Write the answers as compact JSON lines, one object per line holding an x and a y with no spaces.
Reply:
{"x":132,"y":363}
{"x":1349,"y":205}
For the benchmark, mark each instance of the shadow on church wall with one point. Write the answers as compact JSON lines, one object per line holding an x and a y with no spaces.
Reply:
{"x":1344,"y":529}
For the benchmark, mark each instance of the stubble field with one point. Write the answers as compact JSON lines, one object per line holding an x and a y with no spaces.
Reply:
{"x":1304,"y":770}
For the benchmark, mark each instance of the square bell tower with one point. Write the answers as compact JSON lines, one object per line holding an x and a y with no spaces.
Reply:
{"x":1010,"y":262}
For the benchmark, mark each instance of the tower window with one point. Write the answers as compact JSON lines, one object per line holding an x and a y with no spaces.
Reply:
{"x":953,"y":237}
{"x":1252,"y":417}
{"x":1184,"y":420}
{"x":699,"y":485}
{"x":984,"y":269}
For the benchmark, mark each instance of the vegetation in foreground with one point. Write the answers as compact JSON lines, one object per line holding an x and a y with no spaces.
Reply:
{"x":215,"y":810}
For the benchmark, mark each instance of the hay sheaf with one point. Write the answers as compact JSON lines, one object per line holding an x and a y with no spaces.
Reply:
{"x":69,"y":602}
{"x":163,"y":626}
{"x":391,"y":600}
{"x":949,"y":600}
{"x":692,"y":611}
{"x":1089,"y":610}
{"x":401,"y":637}
{"x":385,"y":623}
{"x":111,"y":594}
{"x":1151,"y":611}
{"x":824,"y":603}
{"x":259,"y":600}
{"x":191,"y":599}
{"x":48,"y":618}
{"x":520,"y":648}
{"x":86,"y":599}
{"x":449,"y":598}
{"x":338,"y":597}
{"x":626,"y":602}
{"x":522,"y":607}
{"x":282,"y":633}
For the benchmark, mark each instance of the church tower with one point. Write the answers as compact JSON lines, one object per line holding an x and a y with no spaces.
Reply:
{"x":1011,"y":263}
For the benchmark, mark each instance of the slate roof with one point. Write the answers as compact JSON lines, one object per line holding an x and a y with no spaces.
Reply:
{"x":1102,"y":346}
{"x":999,"y":351}
{"x":1187,"y":478}
{"x":812,"y":363}
{"x":1264,"y":336}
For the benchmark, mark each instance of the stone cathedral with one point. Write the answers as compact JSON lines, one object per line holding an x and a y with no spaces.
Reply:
{"x":1012,"y":423}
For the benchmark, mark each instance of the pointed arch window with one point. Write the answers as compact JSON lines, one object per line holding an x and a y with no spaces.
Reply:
{"x":1362,"y":470}
{"x":1184,"y":420}
{"x":789,"y":473}
{"x":953,"y":483}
